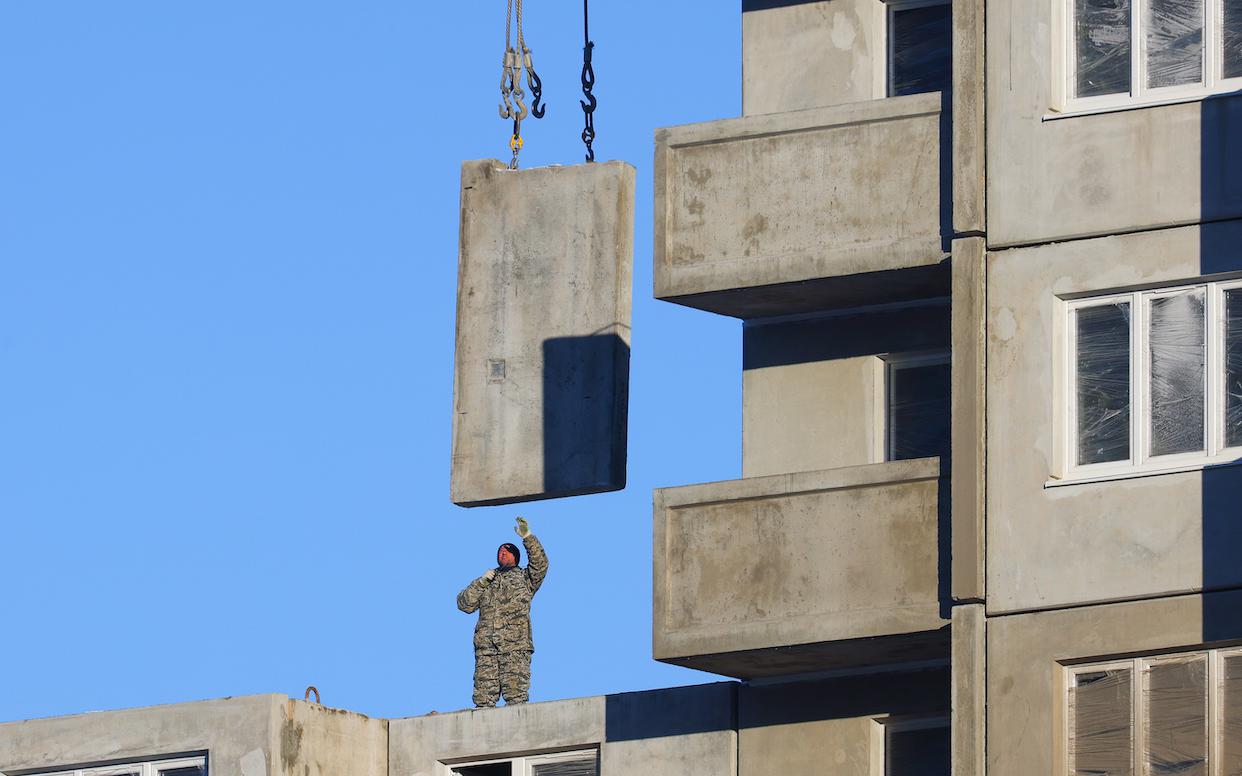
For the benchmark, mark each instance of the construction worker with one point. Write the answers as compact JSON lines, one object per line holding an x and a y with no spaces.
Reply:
{"x":502,"y":639}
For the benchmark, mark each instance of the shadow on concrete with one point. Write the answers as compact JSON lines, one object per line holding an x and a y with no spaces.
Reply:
{"x":678,"y":711}
{"x":585,"y":414}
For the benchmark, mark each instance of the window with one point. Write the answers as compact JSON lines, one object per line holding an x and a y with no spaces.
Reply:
{"x":1170,"y":714}
{"x":183,"y":766}
{"x":920,"y":46}
{"x":1155,"y":380}
{"x":579,"y":763}
{"x":1121,"y":52}
{"x":916,"y":406}
{"x":912,"y":746}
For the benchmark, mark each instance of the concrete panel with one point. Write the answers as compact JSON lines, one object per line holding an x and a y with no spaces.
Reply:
{"x":969,"y":397}
{"x":1094,"y":174}
{"x":320,"y":741}
{"x":239,"y":735}
{"x":543,"y":330}
{"x":774,"y":562}
{"x":758,"y":202}
{"x":1091,"y":542}
{"x":969,"y":101}
{"x":812,"y":55}
{"x":683,"y":730}
{"x":1025,"y":654}
{"x":969,"y":696}
{"x":813,"y":389}
{"x":830,"y":725}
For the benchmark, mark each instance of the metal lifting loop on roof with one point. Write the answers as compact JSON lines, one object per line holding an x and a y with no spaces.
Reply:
{"x":515,"y":61}
{"x":588,"y":83}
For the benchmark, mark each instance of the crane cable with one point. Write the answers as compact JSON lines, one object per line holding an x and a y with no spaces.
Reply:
{"x":515,"y":61}
{"x":588,"y":83}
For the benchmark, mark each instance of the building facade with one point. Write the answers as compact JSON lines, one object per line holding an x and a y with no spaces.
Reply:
{"x":987,"y":259}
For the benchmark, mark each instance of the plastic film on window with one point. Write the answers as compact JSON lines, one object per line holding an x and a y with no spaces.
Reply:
{"x":1178,"y":357}
{"x":1233,"y":368}
{"x":1176,"y":702}
{"x":1231,"y":38}
{"x":1174,"y":42}
{"x":1102,"y":47}
{"x":1101,"y":724}
{"x":578,"y":767}
{"x":1230,"y":734}
{"x":919,"y":411}
{"x":1103,"y":383}
{"x":921,"y":50}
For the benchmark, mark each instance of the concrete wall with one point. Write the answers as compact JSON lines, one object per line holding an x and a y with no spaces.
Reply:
{"x":1094,"y":174}
{"x":1025,"y":654}
{"x":684,"y":730}
{"x":1095,"y":542}
{"x":813,"y":390}
{"x":544,"y":281}
{"x":770,"y":562}
{"x":319,"y":741}
{"x":812,"y":55}
{"x":777,"y":199}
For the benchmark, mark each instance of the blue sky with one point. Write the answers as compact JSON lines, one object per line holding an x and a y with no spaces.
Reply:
{"x":228,"y":236}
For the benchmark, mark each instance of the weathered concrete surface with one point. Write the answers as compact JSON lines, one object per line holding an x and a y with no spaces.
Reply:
{"x":969,"y":103}
{"x":812,"y":55}
{"x":969,"y":694}
{"x":255,"y":735}
{"x":1092,"y":542}
{"x":1094,"y":174}
{"x":828,"y":726}
{"x":969,"y":397}
{"x":813,"y":389}
{"x":1026,"y":652}
{"x":773,"y":562}
{"x":543,"y":330}
{"x":762,"y":201}
{"x":684,"y":730}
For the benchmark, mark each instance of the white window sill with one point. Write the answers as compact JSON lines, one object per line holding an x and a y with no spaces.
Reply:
{"x":1124,"y":105}
{"x":1130,"y":474}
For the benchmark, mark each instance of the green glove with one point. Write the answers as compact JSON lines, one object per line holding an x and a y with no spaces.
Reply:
{"x":523,"y":529}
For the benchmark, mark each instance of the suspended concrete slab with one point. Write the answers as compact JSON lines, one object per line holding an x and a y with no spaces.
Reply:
{"x":541,"y":390}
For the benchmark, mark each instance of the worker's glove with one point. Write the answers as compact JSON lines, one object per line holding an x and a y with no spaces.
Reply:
{"x":523,"y":529}
{"x":487,"y":575}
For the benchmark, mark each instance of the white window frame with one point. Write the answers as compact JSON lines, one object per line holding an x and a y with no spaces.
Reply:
{"x":1065,"y":64}
{"x":891,"y":363}
{"x":523,"y":765}
{"x":883,"y":726}
{"x":144,"y":768}
{"x":883,"y":21}
{"x":1215,"y":659}
{"x":1067,"y":468}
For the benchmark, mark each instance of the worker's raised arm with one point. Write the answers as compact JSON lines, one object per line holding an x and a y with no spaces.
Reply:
{"x":468,"y":599}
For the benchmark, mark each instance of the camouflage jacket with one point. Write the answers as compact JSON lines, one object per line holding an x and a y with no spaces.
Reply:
{"x":503,"y":603}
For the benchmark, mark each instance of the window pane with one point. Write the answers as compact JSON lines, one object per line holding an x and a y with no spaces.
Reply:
{"x":1102,"y":47}
{"x":1103,"y":389}
{"x":1177,"y":718}
{"x":1233,"y":368}
{"x":192,"y":770}
{"x":1102,"y":742}
{"x":921,"y":752}
{"x":1231,"y":31}
{"x":583,"y":766}
{"x":918,"y":412}
{"x":920,"y":50}
{"x":1231,"y":732}
{"x":1174,"y":42}
{"x":1178,"y":353}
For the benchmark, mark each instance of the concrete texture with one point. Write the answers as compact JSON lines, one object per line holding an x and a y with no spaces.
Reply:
{"x":1094,"y":174}
{"x":787,"y":52}
{"x":1092,"y":542}
{"x":684,"y":730}
{"x":1026,"y":653}
{"x":969,"y":693}
{"x":543,"y":330}
{"x":969,"y":103}
{"x":758,"y":202}
{"x":969,"y":397}
{"x":813,"y":388}
{"x":249,"y":736}
{"x":772,"y":562}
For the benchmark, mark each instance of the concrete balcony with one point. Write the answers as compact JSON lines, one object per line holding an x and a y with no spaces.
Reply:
{"x":807,"y":210}
{"x":803,"y":572}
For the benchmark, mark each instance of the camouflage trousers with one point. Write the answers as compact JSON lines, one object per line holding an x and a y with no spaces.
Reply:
{"x":506,"y":673}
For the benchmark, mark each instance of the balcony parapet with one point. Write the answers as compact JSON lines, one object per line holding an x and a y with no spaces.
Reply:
{"x":788,"y":212}
{"x":801,"y":572}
